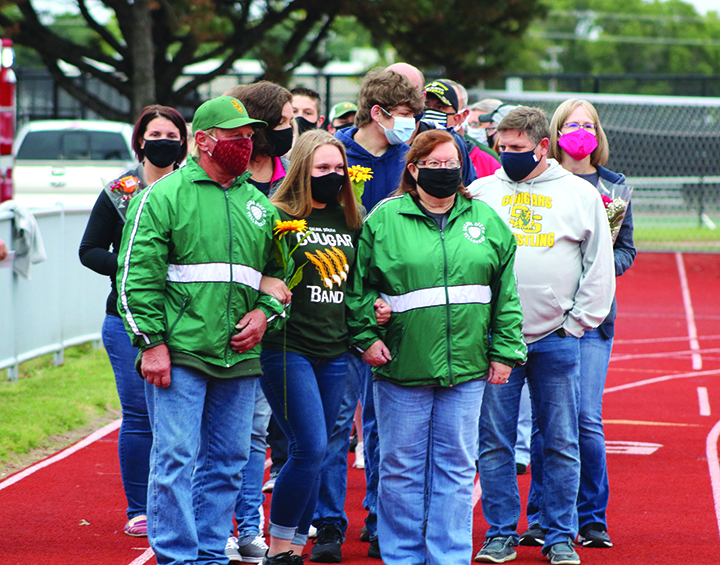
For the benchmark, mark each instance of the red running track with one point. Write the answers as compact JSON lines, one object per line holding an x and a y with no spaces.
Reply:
{"x":662,"y":422}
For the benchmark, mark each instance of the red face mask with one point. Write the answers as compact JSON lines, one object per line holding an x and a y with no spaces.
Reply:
{"x":233,"y":155}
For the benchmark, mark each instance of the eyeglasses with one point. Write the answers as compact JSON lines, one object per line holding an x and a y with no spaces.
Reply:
{"x":575,"y":126}
{"x":435,"y":164}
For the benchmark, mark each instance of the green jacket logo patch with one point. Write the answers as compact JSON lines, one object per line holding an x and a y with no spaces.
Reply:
{"x":256,"y":213}
{"x":474,"y":231}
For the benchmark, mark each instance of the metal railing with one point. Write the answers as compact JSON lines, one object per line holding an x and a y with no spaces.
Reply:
{"x":63,"y":304}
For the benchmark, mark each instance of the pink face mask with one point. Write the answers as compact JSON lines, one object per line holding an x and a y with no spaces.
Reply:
{"x":578,"y":144}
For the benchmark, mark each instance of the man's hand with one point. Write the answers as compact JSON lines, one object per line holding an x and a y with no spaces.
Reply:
{"x":3,"y":250}
{"x":155,"y":365}
{"x":252,"y":328}
{"x":382,"y":311}
{"x":498,"y":373}
{"x":377,"y":354}
{"x":277,"y":288}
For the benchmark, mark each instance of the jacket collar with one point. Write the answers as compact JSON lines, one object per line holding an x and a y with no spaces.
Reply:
{"x":409,"y":207}
{"x":198,"y":174}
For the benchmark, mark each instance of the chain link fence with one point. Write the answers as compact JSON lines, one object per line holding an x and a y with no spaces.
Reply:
{"x":667,"y":146}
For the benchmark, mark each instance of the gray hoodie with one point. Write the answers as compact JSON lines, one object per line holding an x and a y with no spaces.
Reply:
{"x":564,"y":262}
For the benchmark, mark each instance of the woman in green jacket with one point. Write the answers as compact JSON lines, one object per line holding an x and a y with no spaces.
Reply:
{"x":444,"y":263}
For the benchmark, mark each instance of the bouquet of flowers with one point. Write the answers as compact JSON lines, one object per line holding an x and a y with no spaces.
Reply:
{"x":358,"y":176}
{"x":283,"y":255}
{"x":616,"y":198}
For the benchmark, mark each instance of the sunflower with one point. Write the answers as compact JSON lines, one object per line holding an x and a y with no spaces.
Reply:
{"x":281,"y":228}
{"x":359,"y":173}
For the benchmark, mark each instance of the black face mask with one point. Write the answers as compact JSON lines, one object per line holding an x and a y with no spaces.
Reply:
{"x":491,"y":141}
{"x":325,"y":188}
{"x":440,"y":183}
{"x":162,"y":152}
{"x":304,"y":124}
{"x":280,"y":139}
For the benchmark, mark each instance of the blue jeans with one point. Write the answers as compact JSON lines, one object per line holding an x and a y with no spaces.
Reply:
{"x":330,"y":507}
{"x":251,"y":497}
{"x":553,"y":375}
{"x":315,"y":389}
{"x":427,"y":469}
{"x":524,"y":431}
{"x":594,"y":489}
{"x":201,"y":429}
{"x":135,"y":438}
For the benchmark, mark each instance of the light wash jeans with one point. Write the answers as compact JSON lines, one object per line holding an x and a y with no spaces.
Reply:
{"x":135,"y":439}
{"x":427,"y":470}
{"x":524,"y":431}
{"x":201,"y":440}
{"x":315,"y":388}
{"x":248,"y":508}
{"x":553,"y":375}
{"x":330,"y":507}
{"x":593,"y":495}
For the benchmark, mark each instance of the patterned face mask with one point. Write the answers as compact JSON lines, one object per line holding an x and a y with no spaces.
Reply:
{"x":233,"y":155}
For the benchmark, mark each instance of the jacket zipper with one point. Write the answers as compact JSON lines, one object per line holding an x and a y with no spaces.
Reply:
{"x":231,"y":326}
{"x":447,"y":308}
{"x":180,"y":314}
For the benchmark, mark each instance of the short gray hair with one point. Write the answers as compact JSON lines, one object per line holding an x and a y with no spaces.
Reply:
{"x":532,"y":121}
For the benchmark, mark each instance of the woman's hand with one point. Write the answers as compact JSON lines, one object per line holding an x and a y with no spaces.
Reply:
{"x":499,"y":373}
{"x":377,"y":354}
{"x":277,"y":288}
{"x":382,"y":311}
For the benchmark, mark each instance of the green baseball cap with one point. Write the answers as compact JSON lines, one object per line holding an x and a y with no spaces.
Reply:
{"x":224,"y":112}
{"x":342,"y":109}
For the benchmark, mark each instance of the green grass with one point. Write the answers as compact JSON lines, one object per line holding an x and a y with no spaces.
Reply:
{"x":48,"y":401}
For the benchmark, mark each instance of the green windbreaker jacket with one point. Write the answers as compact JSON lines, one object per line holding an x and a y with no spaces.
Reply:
{"x":190,"y":264}
{"x":453,"y":293}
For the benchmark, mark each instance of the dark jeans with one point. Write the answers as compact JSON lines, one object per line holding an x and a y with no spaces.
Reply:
{"x":315,"y":389}
{"x":135,"y":438}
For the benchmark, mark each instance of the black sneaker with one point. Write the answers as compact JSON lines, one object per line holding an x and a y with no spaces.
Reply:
{"x":365,"y":534}
{"x":327,"y":545}
{"x":594,"y":535}
{"x":374,"y":549}
{"x":534,"y":536}
{"x":286,"y":558}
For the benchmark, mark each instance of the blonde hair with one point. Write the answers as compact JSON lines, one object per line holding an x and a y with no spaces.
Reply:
{"x":295,"y":196}
{"x":601,"y":153}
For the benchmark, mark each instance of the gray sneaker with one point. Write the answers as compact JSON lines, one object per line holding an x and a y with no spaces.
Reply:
{"x":231,"y":550}
{"x":253,"y":551}
{"x":563,"y":554}
{"x":497,"y":550}
{"x":594,"y":535}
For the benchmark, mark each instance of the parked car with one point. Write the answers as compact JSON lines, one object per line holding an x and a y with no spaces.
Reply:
{"x":68,"y":161}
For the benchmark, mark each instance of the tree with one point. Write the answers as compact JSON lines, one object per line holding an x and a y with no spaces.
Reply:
{"x":465,"y":40}
{"x":630,"y":37}
{"x":144,"y":50}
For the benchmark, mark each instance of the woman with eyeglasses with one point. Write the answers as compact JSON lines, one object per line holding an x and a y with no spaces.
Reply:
{"x":444,"y":263}
{"x":579,"y":144}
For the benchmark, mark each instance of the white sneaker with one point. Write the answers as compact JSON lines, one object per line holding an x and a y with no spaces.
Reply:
{"x":312,"y":532}
{"x":231,"y":549}
{"x":359,"y":456}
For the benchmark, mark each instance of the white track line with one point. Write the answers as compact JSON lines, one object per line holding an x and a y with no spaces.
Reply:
{"x":663,"y":354}
{"x":477,"y":492}
{"x":714,"y":466}
{"x":703,"y":401}
{"x":93,"y":437}
{"x":661,"y":379}
{"x":689,"y":314}
{"x":144,"y":558}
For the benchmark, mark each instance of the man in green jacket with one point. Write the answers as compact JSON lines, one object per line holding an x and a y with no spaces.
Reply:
{"x":190,"y":268}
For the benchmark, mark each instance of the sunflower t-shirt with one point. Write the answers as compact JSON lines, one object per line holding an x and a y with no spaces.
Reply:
{"x":316,"y":325}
